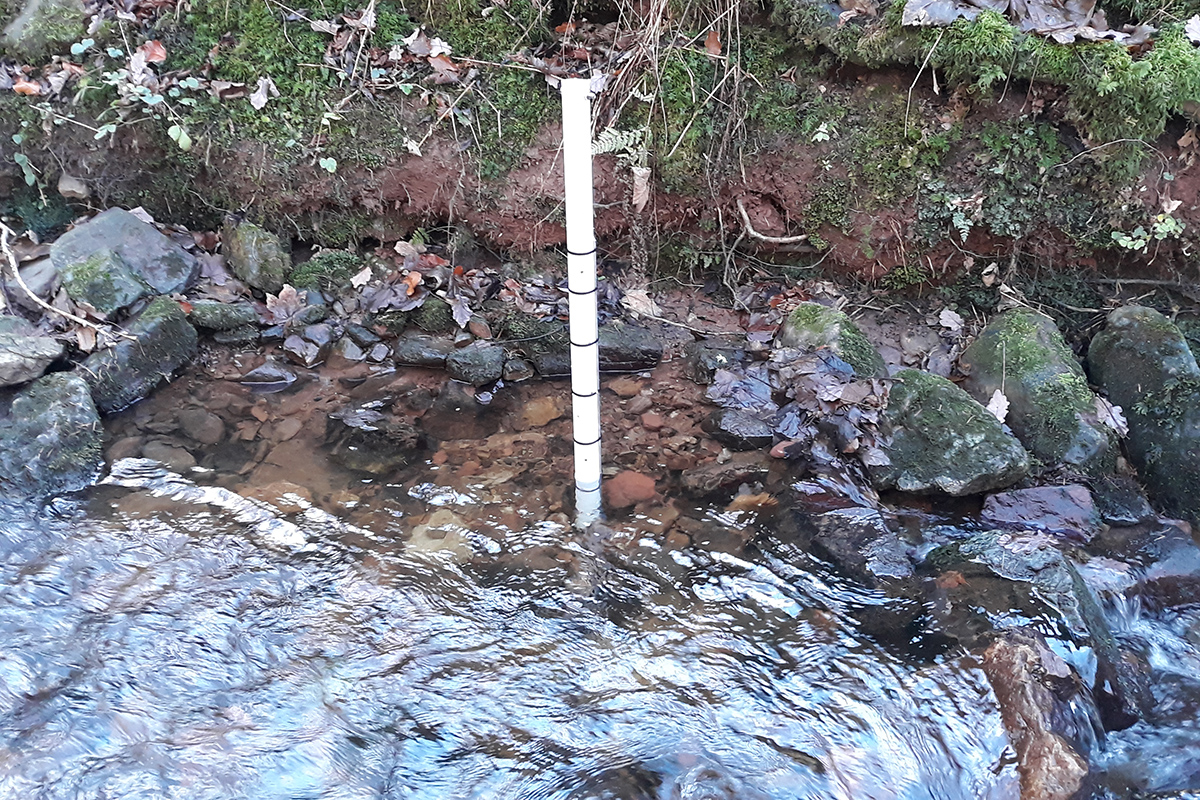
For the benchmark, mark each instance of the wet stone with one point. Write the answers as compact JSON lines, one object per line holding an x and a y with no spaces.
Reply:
{"x":303,"y":352}
{"x":378,"y":353}
{"x":421,"y":350}
{"x":50,"y":437}
{"x":738,"y":430}
{"x":269,"y":378}
{"x":628,"y":488}
{"x":320,"y":335}
{"x":103,"y":281}
{"x":363,"y":337}
{"x":456,"y":414}
{"x":366,"y":439}
{"x":309,"y":315}
{"x":171,"y":454}
{"x":1067,"y":511}
{"x":516,"y":370}
{"x":539,"y":412}
{"x":349,"y":350}
{"x":201,"y":425}
{"x":713,"y":478}
{"x":256,"y":256}
{"x":149,"y":255}
{"x":703,"y":358}
{"x":1121,"y":501}
{"x":476,"y":364}
{"x":1167,"y":560}
{"x":628,"y":348}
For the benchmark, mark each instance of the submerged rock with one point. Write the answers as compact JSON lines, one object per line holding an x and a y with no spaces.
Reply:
{"x":1051,"y":409}
{"x":127,"y":372}
{"x":1142,"y":362}
{"x":147,"y":254}
{"x":1166,"y":560}
{"x":256,"y":256}
{"x":456,"y":414}
{"x":944,"y":441}
{"x":50,"y":437}
{"x":365,"y":439}
{"x":23,"y":358}
{"x":1034,"y":688}
{"x":812,"y":326}
{"x":1065,"y":510}
{"x":269,"y":378}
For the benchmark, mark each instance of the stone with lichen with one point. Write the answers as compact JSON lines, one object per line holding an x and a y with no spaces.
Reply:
{"x":812,"y":326}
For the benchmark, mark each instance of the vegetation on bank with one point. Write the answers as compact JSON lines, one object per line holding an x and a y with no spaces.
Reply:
{"x":693,"y":97}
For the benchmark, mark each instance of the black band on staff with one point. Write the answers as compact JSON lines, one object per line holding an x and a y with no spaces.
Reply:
{"x":588,"y":444}
{"x":579,"y":488}
{"x":593,"y":290}
{"x":589,"y":394}
{"x":571,"y":252}
{"x":589,"y":344}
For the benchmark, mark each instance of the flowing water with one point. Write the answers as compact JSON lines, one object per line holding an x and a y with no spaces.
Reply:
{"x":160,"y":638}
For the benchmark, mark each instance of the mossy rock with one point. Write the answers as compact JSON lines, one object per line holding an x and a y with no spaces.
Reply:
{"x":104,"y":281}
{"x":163,"y":342}
{"x":1051,"y":409}
{"x":330,"y":270}
{"x":433,"y":316}
{"x":812,"y":326}
{"x":44,"y":28}
{"x":146,"y":253}
{"x":942,"y":441}
{"x":1143,"y":363}
{"x":214,"y":315}
{"x":50,"y":440}
{"x":256,"y":256}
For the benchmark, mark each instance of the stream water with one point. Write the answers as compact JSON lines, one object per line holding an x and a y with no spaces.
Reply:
{"x":162,"y":638}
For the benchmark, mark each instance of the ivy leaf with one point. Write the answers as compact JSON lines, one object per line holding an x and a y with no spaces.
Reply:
{"x":328,"y":164}
{"x":180,"y":137}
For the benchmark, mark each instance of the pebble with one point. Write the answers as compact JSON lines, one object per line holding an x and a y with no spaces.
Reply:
{"x":201,"y":425}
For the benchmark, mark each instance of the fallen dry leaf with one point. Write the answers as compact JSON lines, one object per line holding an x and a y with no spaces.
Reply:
{"x":22,"y":86}
{"x":1112,"y":416}
{"x":712,"y":43}
{"x":265,"y":91}
{"x":444,"y":69}
{"x":412,"y":280}
{"x":998,"y":405}
{"x":153,"y":51}
{"x":362,"y":277}
{"x":285,"y":305}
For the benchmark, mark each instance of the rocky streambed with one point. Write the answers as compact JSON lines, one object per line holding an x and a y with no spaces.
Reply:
{"x":987,"y":491}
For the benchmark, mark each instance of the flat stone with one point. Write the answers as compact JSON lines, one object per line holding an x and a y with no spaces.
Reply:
{"x":363,"y":337}
{"x":628,"y":348}
{"x":624,"y":387}
{"x":241,"y":336}
{"x":174,"y":456}
{"x":50,"y":437}
{"x":540,"y":411}
{"x":456,"y":414}
{"x":517,"y":370}
{"x":628,"y":488}
{"x":201,"y":425}
{"x":130,"y":370}
{"x":303,"y":352}
{"x":24,"y":358}
{"x":269,"y":378}
{"x":152,"y":257}
{"x":42,"y":278}
{"x":421,"y":350}
{"x":712,"y":478}
{"x":738,"y":429}
{"x":379,"y":353}
{"x":103,"y":281}
{"x":1065,"y":510}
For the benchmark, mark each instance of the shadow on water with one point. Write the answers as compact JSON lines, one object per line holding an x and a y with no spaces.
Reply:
{"x":163,"y":639}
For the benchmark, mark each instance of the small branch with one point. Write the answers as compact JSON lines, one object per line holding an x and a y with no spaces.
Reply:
{"x":803,"y":237}
{"x":924,"y":64}
{"x":5,"y":233}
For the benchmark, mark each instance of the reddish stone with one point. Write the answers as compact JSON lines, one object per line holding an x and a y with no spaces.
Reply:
{"x":652,"y":421}
{"x":628,"y":488}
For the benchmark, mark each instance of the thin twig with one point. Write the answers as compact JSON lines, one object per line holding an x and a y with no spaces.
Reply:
{"x":5,"y":233}
{"x":803,"y":237}
{"x":924,"y":64}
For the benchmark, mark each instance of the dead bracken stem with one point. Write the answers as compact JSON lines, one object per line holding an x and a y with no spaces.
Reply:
{"x":802,"y":237}
{"x":5,"y":233}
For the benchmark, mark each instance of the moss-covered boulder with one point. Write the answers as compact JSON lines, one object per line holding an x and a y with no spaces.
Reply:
{"x":256,"y":256}
{"x":214,"y":315}
{"x":813,"y":325}
{"x":50,"y":437}
{"x":1143,"y":363}
{"x":942,"y":440}
{"x":1051,"y":409}
{"x":43,"y":28}
{"x":122,"y":375}
{"x":328,"y":271}
{"x":104,"y":282}
{"x":149,"y":255}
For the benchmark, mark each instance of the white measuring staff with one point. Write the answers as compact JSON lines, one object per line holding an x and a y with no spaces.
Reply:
{"x":581,"y":284}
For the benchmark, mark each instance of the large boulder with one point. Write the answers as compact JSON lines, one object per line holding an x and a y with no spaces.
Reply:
{"x":148,"y":255}
{"x":50,"y":437}
{"x":163,"y":341}
{"x":1142,"y":362}
{"x":944,"y":441}
{"x":1051,"y":409}
{"x":812,"y":326}
{"x":23,"y":358}
{"x":256,"y":256}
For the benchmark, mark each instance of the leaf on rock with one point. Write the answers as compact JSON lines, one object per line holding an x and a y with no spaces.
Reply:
{"x":1112,"y":416}
{"x":285,"y":305}
{"x":998,"y":405}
